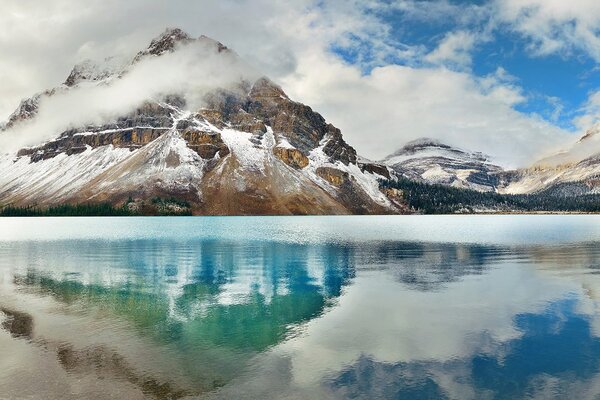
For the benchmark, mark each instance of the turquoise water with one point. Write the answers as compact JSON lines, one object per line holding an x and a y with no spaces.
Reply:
{"x":461,"y":307}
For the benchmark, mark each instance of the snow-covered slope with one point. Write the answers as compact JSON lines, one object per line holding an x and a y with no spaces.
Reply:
{"x":248,"y":149}
{"x":571,"y":172}
{"x":90,"y":71}
{"x":431,"y":161}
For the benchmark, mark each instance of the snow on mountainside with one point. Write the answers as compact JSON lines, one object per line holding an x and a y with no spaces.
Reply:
{"x":90,"y":71}
{"x":587,"y":146}
{"x":572,"y":172}
{"x":429,"y":160}
{"x":240,"y":148}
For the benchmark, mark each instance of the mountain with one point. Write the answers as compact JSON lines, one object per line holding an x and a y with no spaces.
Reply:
{"x":572,"y":172}
{"x":222,"y":143}
{"x":430,"y":161}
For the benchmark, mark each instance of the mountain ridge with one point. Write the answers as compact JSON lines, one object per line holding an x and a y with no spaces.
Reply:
{"x":571,"y":172}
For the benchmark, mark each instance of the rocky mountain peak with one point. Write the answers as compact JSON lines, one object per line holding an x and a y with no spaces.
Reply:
{"x":165,"y":42}
{"x":27,"y":108}
{"x":171,"y":38}
{"x":249,"y":141}
{"x":429,"y":147}
{"x":431,"y":161}
{"x":264,"y":89}
{"x":89,"y":70}
{"x":168,"y":40}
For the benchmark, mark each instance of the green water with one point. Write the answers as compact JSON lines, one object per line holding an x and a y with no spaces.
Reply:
{"x":300,"y":307}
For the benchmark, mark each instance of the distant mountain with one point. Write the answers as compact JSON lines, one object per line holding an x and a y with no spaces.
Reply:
{"x":573,"y":172}
{"x":431,"y":161}
{"x":249,"y":149}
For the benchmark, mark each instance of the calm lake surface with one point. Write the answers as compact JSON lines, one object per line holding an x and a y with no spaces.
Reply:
{"x":394,"y":307}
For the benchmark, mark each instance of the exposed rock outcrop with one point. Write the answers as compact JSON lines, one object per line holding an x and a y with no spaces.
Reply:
{"x":333,"y":175}
{"x":75,"y":143}
{"x":166,"y":42}
{"x":374,"y":168}
{"x":292,"y":157}
{"x":206,"y":144}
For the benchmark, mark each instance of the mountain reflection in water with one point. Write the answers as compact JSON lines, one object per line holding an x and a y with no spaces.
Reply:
{"x":232,"y":318}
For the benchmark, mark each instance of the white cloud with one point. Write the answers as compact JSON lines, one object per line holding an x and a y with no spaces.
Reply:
{"x":554,"y":26}
{"x":590,"y":112}
{"x":428,"y":323}
{"x":440,"y":11}
{"x":454,"y":48}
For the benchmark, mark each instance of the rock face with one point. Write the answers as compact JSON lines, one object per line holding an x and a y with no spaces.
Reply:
{"x":249,"y":149}
{"x":206,"y":144}
{"x":166,"y":42}
{"x":374,"y":168}
{"x":430,"y":161}
{"x":27,"y":109}
{"x":292,"y":157}
{"x":266,"y":104}
{"x":333,"y":175}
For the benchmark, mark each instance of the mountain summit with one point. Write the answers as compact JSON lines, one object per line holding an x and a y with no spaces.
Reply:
{"x":431,"y":161}
{"x":217,"y":142}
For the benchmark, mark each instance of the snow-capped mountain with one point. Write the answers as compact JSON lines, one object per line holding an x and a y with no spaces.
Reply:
{"x":429,"y":160}
{"x":226,"y":146}
{"x":572,"y":172}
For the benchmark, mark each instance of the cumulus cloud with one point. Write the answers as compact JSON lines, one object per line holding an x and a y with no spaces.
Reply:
{"x":455,"y":48}
{"x":554,"y":26}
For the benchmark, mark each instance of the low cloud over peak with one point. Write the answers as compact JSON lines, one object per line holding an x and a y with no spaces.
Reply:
{"x":96,"y":95}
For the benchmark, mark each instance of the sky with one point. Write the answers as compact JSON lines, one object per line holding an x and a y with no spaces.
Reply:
{"x":516,"y":79}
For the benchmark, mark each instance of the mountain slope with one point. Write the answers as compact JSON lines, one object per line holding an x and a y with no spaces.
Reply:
{"x":430,"y":161}
{"x":240,"y":147}
{"x":572,"y":172}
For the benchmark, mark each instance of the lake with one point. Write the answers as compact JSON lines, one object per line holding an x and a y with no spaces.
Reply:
{"x":384,"y":307}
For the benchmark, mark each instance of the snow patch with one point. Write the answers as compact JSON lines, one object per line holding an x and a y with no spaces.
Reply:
{"x":283,"y":143}
{"x":249,"y":155}
{"x":365,"y":180}
{"x":437,"y":174}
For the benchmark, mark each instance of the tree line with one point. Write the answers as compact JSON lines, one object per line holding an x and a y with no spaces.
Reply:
{"x":440,"y":199}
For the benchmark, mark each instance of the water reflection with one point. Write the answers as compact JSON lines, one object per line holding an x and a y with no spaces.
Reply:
{"x":269,"y":319}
